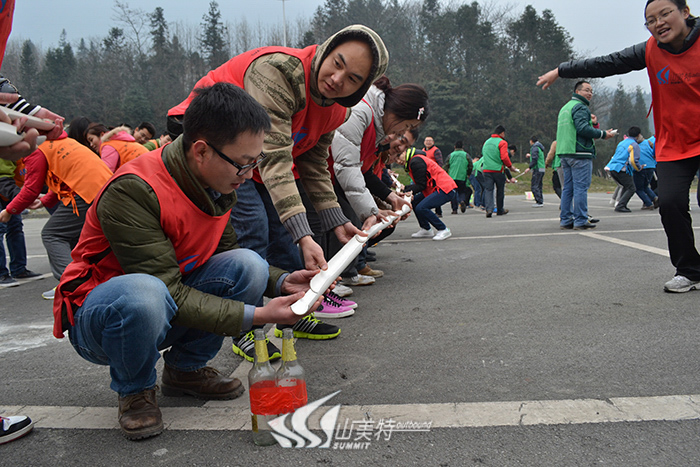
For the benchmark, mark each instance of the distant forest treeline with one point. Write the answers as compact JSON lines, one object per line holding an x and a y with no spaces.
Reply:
{"x":479,"y":62}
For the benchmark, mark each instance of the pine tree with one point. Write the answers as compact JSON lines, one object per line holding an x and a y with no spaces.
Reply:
{"x":29,"y":68}
{"x":212,"y":40}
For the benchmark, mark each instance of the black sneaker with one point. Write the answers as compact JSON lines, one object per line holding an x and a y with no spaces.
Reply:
{"x":27,"y":275}
{"x":245,"y":347}
{"x":15,"y":427}
{"x":7,"y":281}
{"x":310,"y":328}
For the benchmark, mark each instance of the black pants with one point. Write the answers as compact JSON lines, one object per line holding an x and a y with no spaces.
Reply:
{"x":628,"y":188}
{"x":536,"y":186}
{"x":675,"y":178}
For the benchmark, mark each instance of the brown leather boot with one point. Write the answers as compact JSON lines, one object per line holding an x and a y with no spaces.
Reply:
{"x":139,"y":415}
{"x":205,"y":383}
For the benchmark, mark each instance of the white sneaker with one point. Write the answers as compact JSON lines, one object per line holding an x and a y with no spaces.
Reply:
{"x":422,"y":233}
{"x":358,"y":280}
{"x":342,"y":290}
{"x":680,"y":284}
{"x":442,"y":234}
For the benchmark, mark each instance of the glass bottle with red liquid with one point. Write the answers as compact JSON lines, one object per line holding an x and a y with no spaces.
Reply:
{"x":291,"y":383}
{"x":263,"y":393}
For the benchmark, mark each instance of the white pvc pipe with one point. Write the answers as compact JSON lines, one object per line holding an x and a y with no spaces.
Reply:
{"x":337,"y":264}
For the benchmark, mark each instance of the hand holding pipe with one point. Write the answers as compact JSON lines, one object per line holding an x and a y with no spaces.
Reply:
{"x":337,"y":264}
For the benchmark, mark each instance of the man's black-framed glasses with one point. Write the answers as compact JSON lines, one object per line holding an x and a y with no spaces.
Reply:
{"x":242,"y":169}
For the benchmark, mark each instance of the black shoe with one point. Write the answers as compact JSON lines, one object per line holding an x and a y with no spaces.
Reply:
{"x":585,"y":226}
{"x":622,"y":209}
{"x":566,"y":227}
{"x":27,"y":274}
{"x":502,"y":212}
{"x":310,"y":328}
{"x":245,"y":347}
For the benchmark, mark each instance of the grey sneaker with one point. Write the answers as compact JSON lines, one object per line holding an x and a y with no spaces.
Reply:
{"x":680,"y":284}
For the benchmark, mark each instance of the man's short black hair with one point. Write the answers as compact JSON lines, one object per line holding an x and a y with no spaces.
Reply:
{"x":579,"y":85}
{"x":148,"y":126}
{"x":499,"y":129}
{"x":634,"y":131}
{"x":218,"y":114}
{"x":459,"y":144}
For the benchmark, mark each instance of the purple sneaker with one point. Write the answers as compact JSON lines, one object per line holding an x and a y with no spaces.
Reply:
{"x":340,"y":301}
{"x":329,"y":309}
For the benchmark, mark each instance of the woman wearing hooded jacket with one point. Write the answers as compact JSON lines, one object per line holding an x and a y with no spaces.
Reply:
{"x":670,"y":56}
{"x":307,"y":93}
{"x":377,"y":123}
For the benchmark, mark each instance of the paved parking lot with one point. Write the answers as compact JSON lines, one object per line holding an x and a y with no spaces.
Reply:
{"x":515,"y":343}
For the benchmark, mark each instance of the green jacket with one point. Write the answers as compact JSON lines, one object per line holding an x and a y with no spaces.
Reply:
{"x":575,"y":132}
{"x":129,"y":214}
{"x":458,"y":165}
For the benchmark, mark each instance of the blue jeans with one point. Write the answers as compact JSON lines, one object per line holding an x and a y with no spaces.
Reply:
{"x":125,"y":321}
{"x":13,"y":234}
{"x":258,"y":227}
{"x":642,"y":180}
{"x":574,"y":192}
{"x":422,"y":206}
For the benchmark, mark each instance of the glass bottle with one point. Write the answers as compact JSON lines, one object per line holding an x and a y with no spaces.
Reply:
{"x":262,"y":391}
{"x":290,"y":377}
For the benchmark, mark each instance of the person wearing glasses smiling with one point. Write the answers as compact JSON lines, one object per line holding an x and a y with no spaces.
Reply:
{"x":671,"y":56}
{"x":158,"y":265}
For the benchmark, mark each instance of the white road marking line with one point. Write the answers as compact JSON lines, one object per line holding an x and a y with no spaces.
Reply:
{"x":637,"y":246}
{"x":447,"y":415}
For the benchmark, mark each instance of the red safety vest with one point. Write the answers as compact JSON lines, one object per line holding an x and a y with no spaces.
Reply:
{"x":437,"y":177}
{"x":308,"y":125}
{"x":193,"y":233}
{"x":431,"y":153}
{"x":675,"y":91}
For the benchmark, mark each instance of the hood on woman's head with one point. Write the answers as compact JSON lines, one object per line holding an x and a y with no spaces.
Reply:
{"x":380,"y":57}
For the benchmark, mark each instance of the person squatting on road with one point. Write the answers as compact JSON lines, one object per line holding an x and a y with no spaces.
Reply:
{"x":158,"y":266}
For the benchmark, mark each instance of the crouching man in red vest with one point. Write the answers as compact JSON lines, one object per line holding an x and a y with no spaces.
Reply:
{"x":158,"y":265}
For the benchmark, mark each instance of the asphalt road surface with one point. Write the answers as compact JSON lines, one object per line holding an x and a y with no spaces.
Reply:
{"x":511,"y":343}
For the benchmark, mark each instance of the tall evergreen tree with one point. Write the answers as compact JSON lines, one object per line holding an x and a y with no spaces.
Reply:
{"x":214,"y":46}
{"x":29,"y":68}
{"x":640,"y":111}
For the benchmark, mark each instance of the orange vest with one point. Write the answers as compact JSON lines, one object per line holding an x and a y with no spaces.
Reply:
{"x":430,"y":153}
{"x":308,"y":125}
{"x":191,"y":231}
{"x":675,"y":92}
{"x":128,"y":150}
{"x":73,"y":169}
{"x":437,"y":177}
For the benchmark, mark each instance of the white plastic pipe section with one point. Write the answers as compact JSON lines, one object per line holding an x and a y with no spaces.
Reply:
{"x":337,"y":264}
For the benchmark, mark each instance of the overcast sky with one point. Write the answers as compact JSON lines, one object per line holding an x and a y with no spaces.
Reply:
{"x":597,"y":26}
